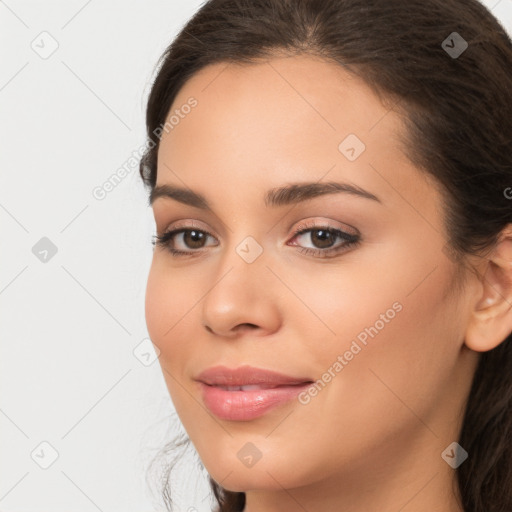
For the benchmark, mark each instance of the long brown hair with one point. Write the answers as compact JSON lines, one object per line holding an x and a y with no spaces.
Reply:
{"x":456,"y":103}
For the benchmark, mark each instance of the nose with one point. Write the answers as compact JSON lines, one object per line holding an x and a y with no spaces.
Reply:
{"x":242,"y":300}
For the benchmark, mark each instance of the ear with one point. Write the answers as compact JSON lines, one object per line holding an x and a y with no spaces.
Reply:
{"x":491,"y":319}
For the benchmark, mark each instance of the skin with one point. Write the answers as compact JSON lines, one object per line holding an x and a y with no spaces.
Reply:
{"x":372,"y":438}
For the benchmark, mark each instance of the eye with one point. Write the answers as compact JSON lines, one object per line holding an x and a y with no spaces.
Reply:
{"x":323,"y":236}
{"x":191,"y":237}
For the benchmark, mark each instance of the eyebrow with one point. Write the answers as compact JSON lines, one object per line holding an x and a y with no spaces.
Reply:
{"x":276,"y":197}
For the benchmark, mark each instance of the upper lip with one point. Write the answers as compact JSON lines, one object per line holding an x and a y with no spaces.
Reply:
{"x":247,"y":375}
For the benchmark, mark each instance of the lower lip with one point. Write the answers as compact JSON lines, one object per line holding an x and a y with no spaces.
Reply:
{"x":246,"y":405}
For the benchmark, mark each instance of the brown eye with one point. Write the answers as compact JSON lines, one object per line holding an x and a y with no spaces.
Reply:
{"x":322,"y":238}
{"x":194,"y":239}
{"x":191,"y":238}
{"x":187,"y":241}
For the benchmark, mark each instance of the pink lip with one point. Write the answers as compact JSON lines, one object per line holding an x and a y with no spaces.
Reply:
{"x":273,"y":390}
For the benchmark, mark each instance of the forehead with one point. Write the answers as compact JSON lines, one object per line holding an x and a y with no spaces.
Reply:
{"x":283,"y":102}
{"x":258,"y":125}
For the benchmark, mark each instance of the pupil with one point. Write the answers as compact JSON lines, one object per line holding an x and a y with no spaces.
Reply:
{"x":325,"y":234}
{"x":196,"y":236}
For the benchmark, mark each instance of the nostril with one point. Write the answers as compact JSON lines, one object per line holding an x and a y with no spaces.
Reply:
{"x":247,"y":326}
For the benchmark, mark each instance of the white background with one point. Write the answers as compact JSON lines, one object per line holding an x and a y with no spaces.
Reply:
{"x":70,"y":325}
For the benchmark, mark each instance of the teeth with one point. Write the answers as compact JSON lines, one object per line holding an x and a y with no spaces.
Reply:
{"x":241,"y":388}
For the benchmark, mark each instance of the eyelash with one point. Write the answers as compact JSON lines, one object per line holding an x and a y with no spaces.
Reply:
{"x":350,"y":240}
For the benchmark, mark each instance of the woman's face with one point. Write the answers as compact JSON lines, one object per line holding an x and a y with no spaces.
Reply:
{"x":376,"y":324}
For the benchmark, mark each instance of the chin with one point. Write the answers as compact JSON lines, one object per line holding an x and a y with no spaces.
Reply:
{"x":267,"y":473}
{"x":248,"y":480}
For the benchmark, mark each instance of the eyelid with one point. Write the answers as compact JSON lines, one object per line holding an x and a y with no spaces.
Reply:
{"x":306,"y":225}
{"x":186,"y":224}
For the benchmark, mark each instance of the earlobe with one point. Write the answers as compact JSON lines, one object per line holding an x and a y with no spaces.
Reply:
{"x":490,"y":322}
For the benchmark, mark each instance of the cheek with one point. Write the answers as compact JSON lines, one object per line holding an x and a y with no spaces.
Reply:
{"x":158,"y":305}
{"x":168,"y":308}
{"x":395,"y":334}
{"x":169,"y":314}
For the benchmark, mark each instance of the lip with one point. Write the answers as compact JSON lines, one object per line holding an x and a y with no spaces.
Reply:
{"x":269,"y":389}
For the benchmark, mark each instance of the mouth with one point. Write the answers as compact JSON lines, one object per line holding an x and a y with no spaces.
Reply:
{"x":252,"y":387}
{"x":246,"y":393}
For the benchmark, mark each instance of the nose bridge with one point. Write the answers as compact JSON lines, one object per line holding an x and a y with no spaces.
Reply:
{"x":244,"y":243}
{"x":241,"y":291}
{"x":242,"y":268}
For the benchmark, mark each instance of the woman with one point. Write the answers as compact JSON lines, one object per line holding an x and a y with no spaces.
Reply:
{"x":331,"y":287}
